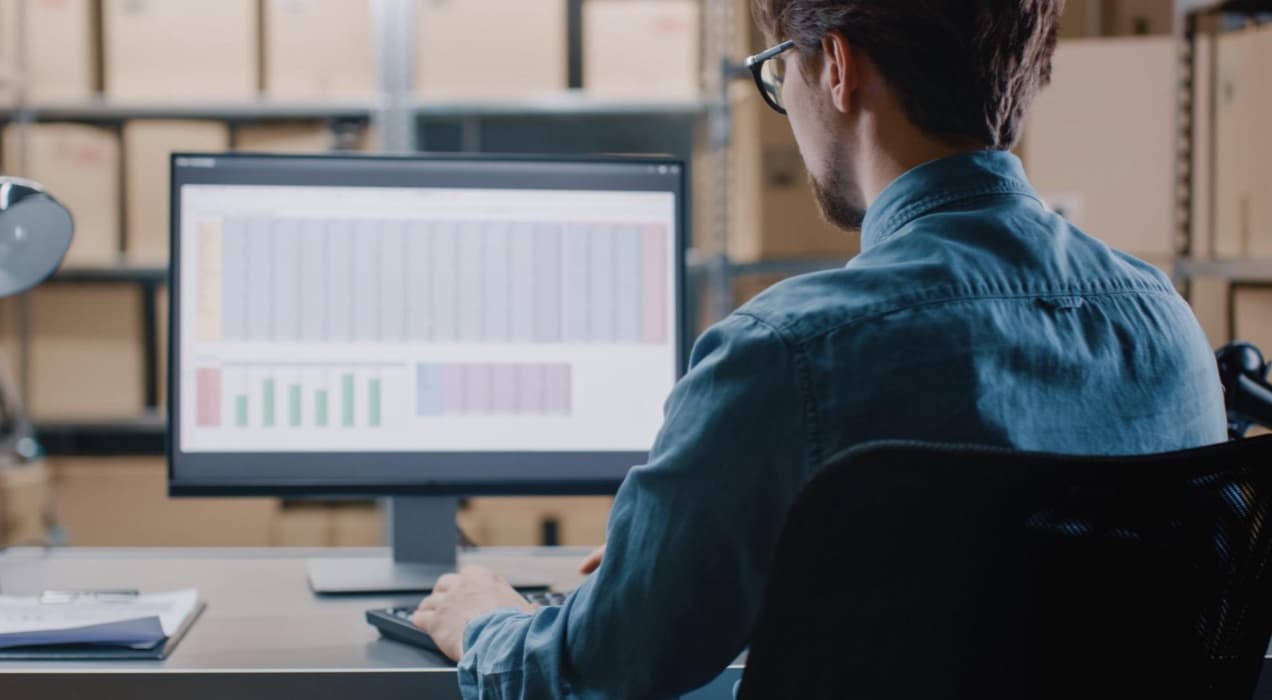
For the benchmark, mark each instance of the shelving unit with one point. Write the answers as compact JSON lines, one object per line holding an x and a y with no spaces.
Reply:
{"x":402,"y":120}
{"x":1209,"y":17}
{"x":106,"y":111}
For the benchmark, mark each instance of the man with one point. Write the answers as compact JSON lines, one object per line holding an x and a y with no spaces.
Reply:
{"x":973,"y":315}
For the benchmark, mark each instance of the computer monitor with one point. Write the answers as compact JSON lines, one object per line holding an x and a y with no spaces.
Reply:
{"x":422,"y":328}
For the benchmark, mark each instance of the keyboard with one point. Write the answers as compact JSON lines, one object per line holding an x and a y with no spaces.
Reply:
{"x":395,"y":623}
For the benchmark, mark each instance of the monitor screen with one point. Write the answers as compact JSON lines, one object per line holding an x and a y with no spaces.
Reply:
{"x":350,"y":324}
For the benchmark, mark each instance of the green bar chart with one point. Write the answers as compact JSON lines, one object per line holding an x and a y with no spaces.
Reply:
{"x":301,"y":397}
{"x":346,"y":401}
{"x":294,"y":395}
{"x":320,"y":408}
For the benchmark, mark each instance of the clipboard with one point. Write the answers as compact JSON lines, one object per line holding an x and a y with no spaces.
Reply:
{"x":93,"y":652}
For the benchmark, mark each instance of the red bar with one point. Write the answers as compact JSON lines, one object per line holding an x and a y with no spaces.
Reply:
{"x":208,"y":413}
{"x":654,"y":281}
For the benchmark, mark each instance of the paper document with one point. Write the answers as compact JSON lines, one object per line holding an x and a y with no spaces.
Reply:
{"x":139,"y":620}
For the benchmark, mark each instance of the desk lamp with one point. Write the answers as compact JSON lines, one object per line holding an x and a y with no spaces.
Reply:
{"x":35,"y":232}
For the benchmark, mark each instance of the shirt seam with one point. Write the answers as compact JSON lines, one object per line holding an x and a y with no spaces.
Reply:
{"x":803,"y":373}
{"x":783,"y":332}
{"x":890,"y":226}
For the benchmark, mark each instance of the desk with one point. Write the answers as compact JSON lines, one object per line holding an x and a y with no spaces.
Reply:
{"x":263,"y":634}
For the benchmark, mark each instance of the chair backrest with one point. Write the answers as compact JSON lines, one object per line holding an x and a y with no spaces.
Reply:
{"x":924,"y":571}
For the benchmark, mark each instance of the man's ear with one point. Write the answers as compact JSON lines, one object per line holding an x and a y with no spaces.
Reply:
{"x":841,"y":73}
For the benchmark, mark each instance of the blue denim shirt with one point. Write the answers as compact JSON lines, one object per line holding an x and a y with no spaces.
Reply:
{"x":972,"y":315}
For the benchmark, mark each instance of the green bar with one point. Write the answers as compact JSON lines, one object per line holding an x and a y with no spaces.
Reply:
{"x":240,"y":405}
{"x":347,"y":400}
{"x":295,"y":405}
{"x":320,"y":409}
{"x":267,"y":398}
{"x":375,"y":403}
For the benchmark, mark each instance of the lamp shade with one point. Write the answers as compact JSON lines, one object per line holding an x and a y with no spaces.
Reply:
{"x":35,"y":232}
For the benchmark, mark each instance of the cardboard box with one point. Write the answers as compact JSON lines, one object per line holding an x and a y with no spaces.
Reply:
{"x":1082,"y":18}
{"x":302,"y":524}
{"x":124,"y":502}
{"x":25,"y":494}
{"x":1237,"y":130}
{"x":164,"y":51}
{"x":1252,"y":317}
{"x":1261,"y":147}
{"x":60,"y":50}
{"x":462,"y":52}
{"x":323,"y":524}
{"x":357,"y":524}
{"x":1099,"y":144}
{"x":319,"y":49}
{"x":297,"y":137}
{"x":1208,"y":297}
{"x":578,"y":521}
{"x":1243,"y":155}
{"x":772,"y":210}
{"x":1203,"y":243}
{"x":1093,"y":18}
{"x":79,"y":165}
{"x":642,"y":48}
{"x":9,"y":31}
{"x":148,"y":145}
{"x":10,"y":347}
{"x":86,"y":356}
{"x":1138,"y":17}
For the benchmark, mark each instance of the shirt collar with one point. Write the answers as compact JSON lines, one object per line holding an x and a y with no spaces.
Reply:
{"x":939,"y":183}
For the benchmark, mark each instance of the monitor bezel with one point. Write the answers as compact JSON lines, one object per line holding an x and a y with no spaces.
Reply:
{"x":355,"y":487}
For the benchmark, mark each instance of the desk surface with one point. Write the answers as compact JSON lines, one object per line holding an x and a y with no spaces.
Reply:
{"x":263,"y":633}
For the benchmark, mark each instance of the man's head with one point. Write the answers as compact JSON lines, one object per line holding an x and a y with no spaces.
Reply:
{"x":877,"y":86}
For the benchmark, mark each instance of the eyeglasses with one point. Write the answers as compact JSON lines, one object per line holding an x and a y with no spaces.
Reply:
{"x":770,"y":75}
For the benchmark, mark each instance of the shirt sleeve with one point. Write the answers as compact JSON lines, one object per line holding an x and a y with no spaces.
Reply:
{"x":689,"y":541}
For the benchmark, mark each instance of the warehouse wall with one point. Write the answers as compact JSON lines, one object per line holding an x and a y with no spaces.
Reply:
{"x":90,"y":102}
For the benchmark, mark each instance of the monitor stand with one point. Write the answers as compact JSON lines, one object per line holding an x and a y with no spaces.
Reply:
{"x":423,"y":537}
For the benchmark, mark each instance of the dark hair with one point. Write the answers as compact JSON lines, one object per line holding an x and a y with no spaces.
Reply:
{"x":961,"y":68}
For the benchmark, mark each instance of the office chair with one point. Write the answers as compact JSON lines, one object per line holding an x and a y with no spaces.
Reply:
{"x":920,"y":571}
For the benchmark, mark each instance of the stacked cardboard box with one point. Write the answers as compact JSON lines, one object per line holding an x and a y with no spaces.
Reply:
{"x":1099,"y":143}
{"x":86,"y":356}
{"x":319,"y":48}
{"x":1086,"y":18}
{"x":24,"y":499}
{"x":526,"y":521}
{"x":124,"y":501}
{"x":772,"y":211}
{"x":9,"y":61}
{"x":318,"y":524}
{"x":1252,"y":316}
{"x":490,"y":49}
{"x":57,"y":58}
{"x":79,"y":165}
{"x":642,"y":48}
{"x":1243,"y":155}
{"x":159,"y":50}
{"x":286,"y":137}
{"x":148,"y":146}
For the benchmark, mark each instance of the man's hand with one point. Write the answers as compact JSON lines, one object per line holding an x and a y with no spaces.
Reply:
{"x":457,"y":600}
{"x":593,"y":561}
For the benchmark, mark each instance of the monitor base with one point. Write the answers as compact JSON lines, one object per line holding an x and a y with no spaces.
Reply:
{"x":363,"y":575}
{"x":422,"y":537}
